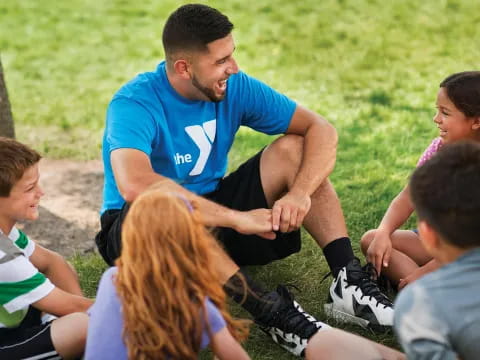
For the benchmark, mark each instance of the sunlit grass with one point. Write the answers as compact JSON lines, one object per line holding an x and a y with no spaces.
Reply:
{"x":370,"y":67}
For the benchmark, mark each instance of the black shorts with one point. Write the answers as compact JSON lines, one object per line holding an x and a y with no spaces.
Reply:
{"x":30,"y":339}
{"x":241,"y":190}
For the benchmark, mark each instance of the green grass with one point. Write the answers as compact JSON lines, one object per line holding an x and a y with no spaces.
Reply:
{"x":370,"y":67}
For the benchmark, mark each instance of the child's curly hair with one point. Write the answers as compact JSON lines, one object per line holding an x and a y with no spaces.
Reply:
{"x":165,"y":273}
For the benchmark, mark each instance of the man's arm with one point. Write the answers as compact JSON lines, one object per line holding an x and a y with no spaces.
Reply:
{"x":319,"y":154}
{"x":319,"y":149}
{"x":134,"y":174}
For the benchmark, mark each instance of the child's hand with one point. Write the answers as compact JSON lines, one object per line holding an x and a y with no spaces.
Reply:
{"x":418,"y":273}
{"x":256,"y":221}
{"x":379,"y":251}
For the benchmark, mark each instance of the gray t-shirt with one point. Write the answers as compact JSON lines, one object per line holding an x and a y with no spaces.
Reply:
{"x":438,"y":316}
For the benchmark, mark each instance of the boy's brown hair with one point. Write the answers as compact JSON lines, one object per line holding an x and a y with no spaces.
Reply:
{"x":15,"y":159}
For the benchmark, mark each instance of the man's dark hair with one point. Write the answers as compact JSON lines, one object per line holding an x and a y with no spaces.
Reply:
{"x":463,"y":89}
{"x":446,"y":193}
{"x":192,"y":27}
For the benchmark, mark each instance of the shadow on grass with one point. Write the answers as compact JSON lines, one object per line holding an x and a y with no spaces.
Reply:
{"x":60,"y":235}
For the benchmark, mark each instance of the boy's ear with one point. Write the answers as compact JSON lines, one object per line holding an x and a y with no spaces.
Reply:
{"x":476,"y":123}
{"x":429,"y":237}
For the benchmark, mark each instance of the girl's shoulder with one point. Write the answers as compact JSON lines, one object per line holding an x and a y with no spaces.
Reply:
{"x":213,"y":313}
{"x":434,"y":146}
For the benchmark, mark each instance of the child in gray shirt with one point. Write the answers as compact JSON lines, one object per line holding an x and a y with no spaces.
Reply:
{"x":438,"y":316}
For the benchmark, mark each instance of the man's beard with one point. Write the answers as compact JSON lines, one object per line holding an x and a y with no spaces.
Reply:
{"x":209,"y":93}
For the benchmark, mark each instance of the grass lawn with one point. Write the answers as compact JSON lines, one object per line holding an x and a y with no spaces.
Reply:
{"x":370,"y":67}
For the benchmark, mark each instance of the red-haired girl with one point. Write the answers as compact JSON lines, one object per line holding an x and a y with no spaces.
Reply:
{"x":164,"y":299}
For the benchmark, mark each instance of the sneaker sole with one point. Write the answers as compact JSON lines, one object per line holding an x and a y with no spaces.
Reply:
{"x":351,"y":319}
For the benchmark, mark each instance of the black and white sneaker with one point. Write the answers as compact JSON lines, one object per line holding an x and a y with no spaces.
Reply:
{"x":354,"y":297}
{"x":286,"y":322}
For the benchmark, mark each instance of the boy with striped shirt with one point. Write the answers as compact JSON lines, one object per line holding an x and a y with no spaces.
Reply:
{"x":33,"y":280}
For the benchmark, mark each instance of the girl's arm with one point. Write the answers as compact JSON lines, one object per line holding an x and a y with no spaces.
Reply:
{"x":225,"y":347}
{"x":396,"y":215}
{"x":398,"y":212}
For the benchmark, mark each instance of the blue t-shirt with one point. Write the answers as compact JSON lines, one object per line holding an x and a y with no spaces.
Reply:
{"x":438,"y":316}
{"x":186,"y":141}
{"x":104,"y":338}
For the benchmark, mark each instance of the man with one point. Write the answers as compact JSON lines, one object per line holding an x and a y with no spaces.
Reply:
{"x":176,"y":126}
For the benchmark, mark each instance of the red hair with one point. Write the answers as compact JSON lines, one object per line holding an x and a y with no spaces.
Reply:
{"x":165,"y":273}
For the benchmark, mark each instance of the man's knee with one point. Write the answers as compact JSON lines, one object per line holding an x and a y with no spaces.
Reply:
{"x":286,"y":149}
{"x":366,"y":240}
{"x":279,"y":165}
{"x":291,"y":146}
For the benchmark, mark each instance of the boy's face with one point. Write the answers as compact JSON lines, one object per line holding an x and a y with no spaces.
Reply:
{"x":427,"y":236}
{"x":434,"y":244}
{"x":22,"y":203}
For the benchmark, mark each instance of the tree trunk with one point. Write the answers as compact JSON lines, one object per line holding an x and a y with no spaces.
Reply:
{"x":6,"y":118}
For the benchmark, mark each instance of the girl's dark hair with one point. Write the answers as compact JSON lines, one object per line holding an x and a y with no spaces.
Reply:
{"x":463,"y":89}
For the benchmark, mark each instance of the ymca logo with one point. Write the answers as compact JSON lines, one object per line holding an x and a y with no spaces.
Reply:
{"x":203,"y":136}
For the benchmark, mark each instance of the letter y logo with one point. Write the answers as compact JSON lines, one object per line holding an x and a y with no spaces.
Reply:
{"x":203,"y":136}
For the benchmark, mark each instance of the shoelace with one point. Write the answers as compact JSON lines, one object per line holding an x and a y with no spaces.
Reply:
{"x":369,"y":286}
{"x":285,"y":315}
{"x":386,"y":286}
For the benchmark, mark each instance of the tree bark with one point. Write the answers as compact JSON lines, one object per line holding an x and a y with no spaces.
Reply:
{"x":6,"y":119}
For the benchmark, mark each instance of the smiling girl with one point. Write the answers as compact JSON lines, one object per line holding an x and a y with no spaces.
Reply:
{"x":399,"y":254}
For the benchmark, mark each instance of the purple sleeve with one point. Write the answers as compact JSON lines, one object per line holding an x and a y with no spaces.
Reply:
{"x":430,"y":151}
{"x":104,"y":338}
{"x":215,"y":320}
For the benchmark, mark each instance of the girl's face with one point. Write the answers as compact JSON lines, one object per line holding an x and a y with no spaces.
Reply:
{"x":452,"y":123}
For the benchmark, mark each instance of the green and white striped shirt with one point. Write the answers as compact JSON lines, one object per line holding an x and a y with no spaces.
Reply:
{"x":21,"y":284}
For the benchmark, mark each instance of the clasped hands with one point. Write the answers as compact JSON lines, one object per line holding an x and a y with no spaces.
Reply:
{"x":286,"y":215}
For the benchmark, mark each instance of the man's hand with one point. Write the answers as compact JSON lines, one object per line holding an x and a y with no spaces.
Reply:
{"x":379,"y":251}
{"x":257,"y":221}
{"x":289,"y":211}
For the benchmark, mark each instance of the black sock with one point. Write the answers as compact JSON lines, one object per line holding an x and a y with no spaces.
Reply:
{"x":338,"y":254}
{"x":250,"y":297}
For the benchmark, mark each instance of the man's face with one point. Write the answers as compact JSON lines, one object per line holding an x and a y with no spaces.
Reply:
{"x":22,"y":203}
{"x":211,"y":69}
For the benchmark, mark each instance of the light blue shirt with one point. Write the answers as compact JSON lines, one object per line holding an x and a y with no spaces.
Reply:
{"x":438,"y":316}
{"x":187,"y":141}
